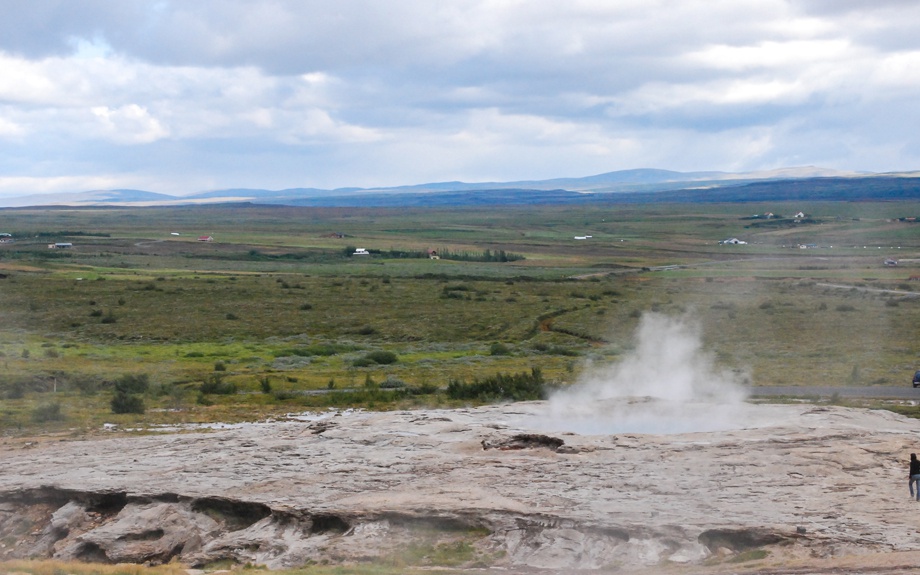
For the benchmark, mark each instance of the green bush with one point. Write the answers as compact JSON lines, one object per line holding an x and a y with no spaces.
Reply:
{"x":127,"y":403}
{"x":392,"y":382}
{"x":499,"y":349}
{"x":86,"y":385}
{"x":217,"y":386}
{"x":319,"y":349}
{"x":132,"y":383}
{"x":266,"y":384}
{"x":47,"y":412}
{"x":424,"y":389}
{"x":382,"y":357}
{"x":15,"y":390}
{"x":559,"y":350}
{"x":520,"y":387}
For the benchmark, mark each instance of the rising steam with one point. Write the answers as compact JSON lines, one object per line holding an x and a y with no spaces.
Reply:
{"x":668,"y":384}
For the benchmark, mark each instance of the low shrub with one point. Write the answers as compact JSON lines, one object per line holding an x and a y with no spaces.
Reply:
{"x":519,"y":387}
{"x":127,"y":403}
{"x":382,"y":357}
{"x":132,"y":383}
{"x":47,"y":412}
{"x":320,"y":349}
{"x":217,"y":386}
{"x":499,"y":349}
{"x":265,"y":384}
{"x":559,"y":350}
{"x":392,"y":382}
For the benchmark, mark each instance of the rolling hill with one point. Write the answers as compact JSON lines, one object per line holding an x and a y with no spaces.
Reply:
{"x":625,"y":186}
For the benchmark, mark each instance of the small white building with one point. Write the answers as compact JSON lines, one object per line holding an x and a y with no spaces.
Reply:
{"x":361,"y":252}
{"x":733,"y":241}
{"x":60,"y":246}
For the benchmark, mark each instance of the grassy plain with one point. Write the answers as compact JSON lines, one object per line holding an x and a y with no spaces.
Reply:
{"x":275,"y":311}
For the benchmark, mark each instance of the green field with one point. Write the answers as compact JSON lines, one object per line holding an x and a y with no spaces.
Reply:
{"x":274,"y":308}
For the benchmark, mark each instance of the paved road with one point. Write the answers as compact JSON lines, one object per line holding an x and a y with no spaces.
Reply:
{"x":878,"y":392}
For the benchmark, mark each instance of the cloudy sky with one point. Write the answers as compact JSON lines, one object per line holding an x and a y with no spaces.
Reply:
{"x":183,"y":96}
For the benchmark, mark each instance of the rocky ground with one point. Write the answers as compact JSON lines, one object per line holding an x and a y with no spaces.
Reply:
{"x":790,"y":489}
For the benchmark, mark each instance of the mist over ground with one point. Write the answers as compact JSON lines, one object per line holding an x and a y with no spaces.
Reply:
{"x":667,"y":384}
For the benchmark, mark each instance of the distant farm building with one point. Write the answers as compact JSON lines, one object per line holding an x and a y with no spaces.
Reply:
{"x":582,"y":237}
{"x":891,"y":262}
{"x":433,"y":255}
{"x":733,"y":241}
{"x":60,"y":246}
{"x":5,"y":238}
{"x":205,"y":239}
{"x":361,"y":252}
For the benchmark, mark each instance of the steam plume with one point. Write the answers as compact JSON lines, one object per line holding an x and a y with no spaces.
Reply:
{"x":668,"y":384}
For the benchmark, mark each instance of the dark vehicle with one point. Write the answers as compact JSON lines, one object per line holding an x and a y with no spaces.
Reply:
{"x":917,"y":379}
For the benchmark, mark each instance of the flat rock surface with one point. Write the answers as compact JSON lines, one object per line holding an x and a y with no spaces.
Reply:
{"x":805,"y":482}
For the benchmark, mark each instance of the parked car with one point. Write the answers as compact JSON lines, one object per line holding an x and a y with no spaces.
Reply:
{"x":917,"y":379}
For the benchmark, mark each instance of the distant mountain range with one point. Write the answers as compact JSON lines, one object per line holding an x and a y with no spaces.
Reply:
{"x":625,"y":186}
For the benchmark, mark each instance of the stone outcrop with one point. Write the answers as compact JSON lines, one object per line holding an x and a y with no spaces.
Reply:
{"x":494,"y":482}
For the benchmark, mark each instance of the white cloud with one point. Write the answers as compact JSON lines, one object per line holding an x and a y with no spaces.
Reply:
{"x":10,"y":129}
{"x":412,"y":90}
{"x":315,"y":125}
{"x":129,"y":124}
{"x":25,"y":185}
{"x":778,"y":56}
